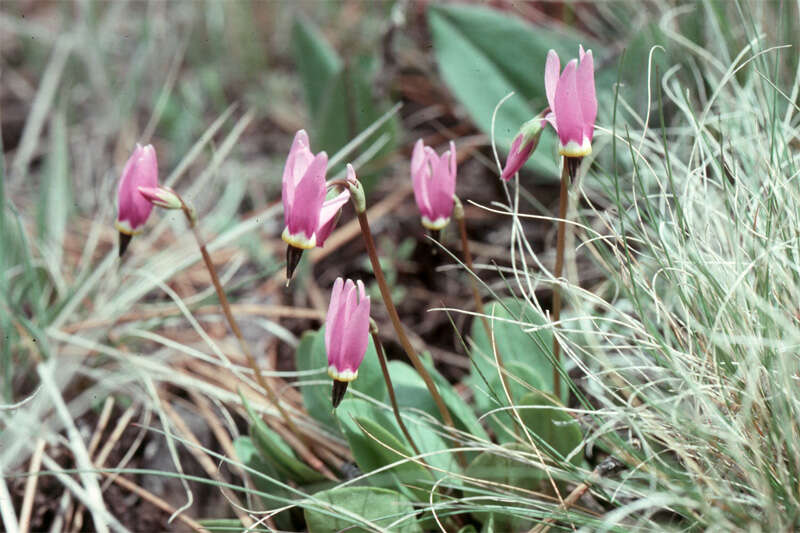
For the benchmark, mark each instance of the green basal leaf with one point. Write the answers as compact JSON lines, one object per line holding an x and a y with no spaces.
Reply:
{"x":317,"y":62}
{"x":526,"y":357}
{"x":510,"y":469}
{"x":546,"y":418}
{"x":340,"y":97}
{"x":385,"y":446}
{"x":248,"y":454}
{"x":273,"y":448}
{"x":385,"y":508}
{"x":412,"y":392}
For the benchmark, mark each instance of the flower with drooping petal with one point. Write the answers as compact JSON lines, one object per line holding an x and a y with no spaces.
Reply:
{"x":309,"y":217}
{"x":434,"y":181}
{"x":523,"y":146}
{"x":573,"y":103}
{"x":141,"y":170}
{"x":303,"y":192}
{"x":346,"y":332}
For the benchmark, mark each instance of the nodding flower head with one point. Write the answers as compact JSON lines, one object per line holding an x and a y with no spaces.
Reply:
{"x":573,"y":103}
{"x":308,"y":216}
{"x":346,"y":333}
{"x":434,"y":181}
{"x":141,"y":170}
{"x":523,"y":146}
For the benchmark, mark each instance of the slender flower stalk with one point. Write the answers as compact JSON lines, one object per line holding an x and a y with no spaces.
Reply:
{"x":559,"y":269}
{"x":460,"y":216}
{"x":302,"y":444}
{"x":359,"y":203}
{"x":388,"y":379}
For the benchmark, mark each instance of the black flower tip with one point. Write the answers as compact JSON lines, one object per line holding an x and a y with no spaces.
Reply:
{"x":339,"y":388}
{"x":124,"y":240}
{"x":293,"y":255}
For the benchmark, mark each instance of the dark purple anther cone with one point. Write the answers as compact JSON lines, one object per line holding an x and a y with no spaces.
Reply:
{"x":293,"y":255}
{"x":339,"y":388}
{"x":572,"y":167}
{"x":124,"y":240}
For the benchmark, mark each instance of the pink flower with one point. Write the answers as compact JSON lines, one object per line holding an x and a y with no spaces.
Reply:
{"x":523,"y":146}
{"x":141,"y":170}
{"x":434,"y":180}
{"x":346,"y":329}
{"x":308,"y":216}
{"x":573,"y":103}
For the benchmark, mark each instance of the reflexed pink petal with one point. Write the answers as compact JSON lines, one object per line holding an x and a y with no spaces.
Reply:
{"x":567,"y":107}
{"x":347,"y":326}
{"x":453,"y":163}
{"x":304,"y":210}
{"x":362,"y":293}
{"x":581,"y":52}
{"x":329,"y":214}
{"x":420,"y":174}
{"x":417,"y":156}
{"x":551,"y":71}
{"x":149,"y":167}
{"x":297,"y":162}
{"x":333,"y":313}
{"x":550,"y":118}
{"x":442,"y":187}
{"x":356,"y":336}
{"x":586,"y":92}
{"x":434,"y":180}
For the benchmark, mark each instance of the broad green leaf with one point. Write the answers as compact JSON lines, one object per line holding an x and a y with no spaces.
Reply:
{"x":370,"y":454}
{"x":273,"y":448}
{"x":411,"y":391}
{"x":521,"y":380}
{"x":310,"y":355}
{"x":316,"y":60}
{"x":526,"y":357}
{"x":484,"y":55}
{"x":248,"y":454}
{"x":508,"y":321}
{"x":504,"y":467}
{"x":340,"y":98}
{"x":546,"y":418}
{"x":385,"y":508}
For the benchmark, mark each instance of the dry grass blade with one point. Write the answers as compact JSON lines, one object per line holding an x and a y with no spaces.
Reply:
{"x":208,"y":465}
{"x":30,"y":486}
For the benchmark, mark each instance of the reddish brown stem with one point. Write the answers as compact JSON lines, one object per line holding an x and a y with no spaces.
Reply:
{"x":302,"y":447}
{"x":395,"y":318}
{"x":556,"y":315}
{"x":388,"y":379}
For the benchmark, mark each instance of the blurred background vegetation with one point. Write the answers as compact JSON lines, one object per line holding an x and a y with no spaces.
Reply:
{"x":219,"y":88}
